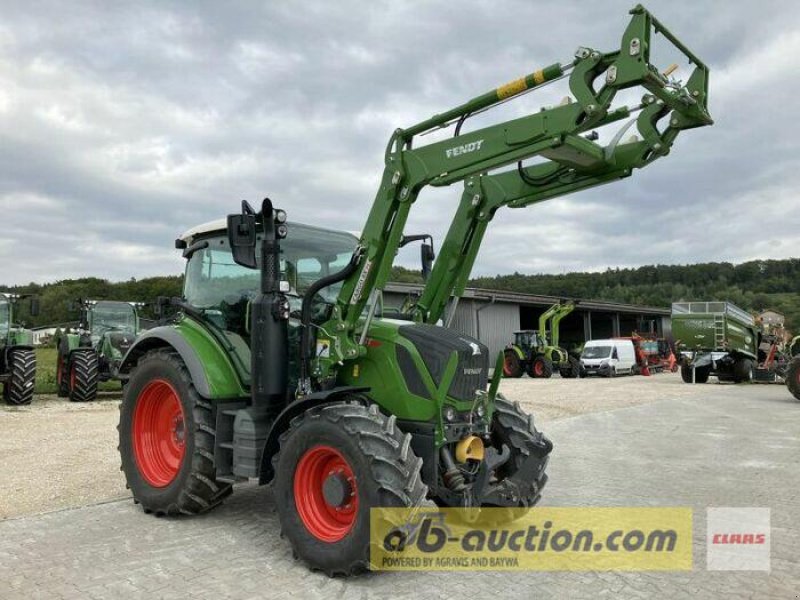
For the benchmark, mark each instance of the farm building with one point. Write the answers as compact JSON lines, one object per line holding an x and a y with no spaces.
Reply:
{"x":493,"y":316}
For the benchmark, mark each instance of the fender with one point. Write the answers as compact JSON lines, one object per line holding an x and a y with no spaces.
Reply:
{"x":209,"y":366}
{"x":518,"y":350}
{"x":272,"y":445}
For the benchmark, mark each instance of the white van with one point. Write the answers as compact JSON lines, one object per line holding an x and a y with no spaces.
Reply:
{"x":608,"y":358}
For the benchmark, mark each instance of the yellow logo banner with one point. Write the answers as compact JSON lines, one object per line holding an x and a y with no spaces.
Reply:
{"x":540,"y":539}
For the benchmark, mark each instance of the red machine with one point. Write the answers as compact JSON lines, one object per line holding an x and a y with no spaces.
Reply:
{"x":653,"y":355}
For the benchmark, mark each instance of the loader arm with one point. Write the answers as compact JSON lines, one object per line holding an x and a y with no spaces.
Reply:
{"x":563,"y":311}
{"x":572,"y":161}
{"x":543,"y":320}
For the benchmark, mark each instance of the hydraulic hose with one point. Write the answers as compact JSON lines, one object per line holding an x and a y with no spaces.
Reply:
{"x":306,"y":352}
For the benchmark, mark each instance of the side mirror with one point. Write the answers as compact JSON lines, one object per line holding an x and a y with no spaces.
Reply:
{"x":427,"y":255}
{"x":242,"y":236}
{"x":34,"y":308}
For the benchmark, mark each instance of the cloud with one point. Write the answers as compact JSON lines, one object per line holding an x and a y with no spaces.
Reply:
{"x":122,"y":126}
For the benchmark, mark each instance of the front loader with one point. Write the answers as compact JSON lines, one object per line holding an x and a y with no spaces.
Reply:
{"x":278,"y":365}
{"x":93,"y":353}
{"x":537,"y":352}
{"x":17,"y":356}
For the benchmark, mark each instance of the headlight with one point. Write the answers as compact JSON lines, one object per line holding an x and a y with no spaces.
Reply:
{"x":449,"y":413}
{"x":480,"y":411}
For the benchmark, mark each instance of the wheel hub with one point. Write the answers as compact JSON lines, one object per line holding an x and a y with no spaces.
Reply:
{"x":337,"y":490}
{"x":326,"y":493}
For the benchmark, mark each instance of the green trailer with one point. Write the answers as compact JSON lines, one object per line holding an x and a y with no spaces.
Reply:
{"x":715,"y":338}
{"x":17,"y":357}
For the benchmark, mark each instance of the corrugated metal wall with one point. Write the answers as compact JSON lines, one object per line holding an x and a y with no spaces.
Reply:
{"x":496,"y":324}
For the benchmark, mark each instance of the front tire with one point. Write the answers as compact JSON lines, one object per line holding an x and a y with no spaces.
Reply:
{"x":18,"y":390}
{"x":166,"y":439}
{"x":83,"y":373}
{"x":336,"y":461}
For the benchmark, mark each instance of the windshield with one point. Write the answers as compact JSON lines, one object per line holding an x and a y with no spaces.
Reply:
{"x":221,"y":290}
{"x":112,"y":316}
{"x":596,"y":352}
{"x":5,"y":317}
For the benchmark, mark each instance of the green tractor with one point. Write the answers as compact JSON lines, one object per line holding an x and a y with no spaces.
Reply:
{"x":537,"y":351}
{"x":92,"y":354}
{"x":17,"y":357}
{"x":278,"y":365}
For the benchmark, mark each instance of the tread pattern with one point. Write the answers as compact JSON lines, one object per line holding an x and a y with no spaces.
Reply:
{"x":547,"y":367}
{"x":515,"y":367}
{"x":395,"y":467}
{"x":85,"y":366}
{"x":521,"y":434}
{"x":201,"y":491}
{"x":19,"y":388}
{"x":701,"y":374}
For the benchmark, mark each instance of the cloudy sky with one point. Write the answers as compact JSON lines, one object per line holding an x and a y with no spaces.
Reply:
{"x":123,"y":124}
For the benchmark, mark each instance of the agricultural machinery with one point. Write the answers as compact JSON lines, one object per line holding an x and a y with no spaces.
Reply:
{"x":93,"y":353}
{"x":17,"y":357}
{"x":279,"y":366}
{"x":715,"y":338}
{"x":537,"y":352}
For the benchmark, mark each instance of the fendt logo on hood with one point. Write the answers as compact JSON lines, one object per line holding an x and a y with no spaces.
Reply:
{"x":473,"y":370}
{"x":464,"y":149}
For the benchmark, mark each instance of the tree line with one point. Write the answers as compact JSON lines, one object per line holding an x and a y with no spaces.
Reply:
{"x":754,"y":285}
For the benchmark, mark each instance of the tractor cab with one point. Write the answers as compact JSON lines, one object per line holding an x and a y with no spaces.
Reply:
{"x":112,"y":317}
{"x":220,"y":292}
{"x":528,"y":339}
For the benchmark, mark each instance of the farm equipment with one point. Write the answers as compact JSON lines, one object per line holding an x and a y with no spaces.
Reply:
{"x":715,"y":338}
{"x":537,"y":352}
{"x":653,"y":355}
{"x":278,"y":364}
{"x":93,"y":353}
{"x":17,"y":357}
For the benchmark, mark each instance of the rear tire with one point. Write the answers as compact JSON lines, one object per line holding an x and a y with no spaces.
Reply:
{"x":743,"y":371}
{"x":572,"y":371}
{"x":540,"y":367}
{"x":376,"y":467}
{"x":793,"y":377}
{"x":512,"y":367}
{"x":701,"y":374}
{"x":18,"y":390}
{"x":166,"y":439}
{"x":83,"y":371}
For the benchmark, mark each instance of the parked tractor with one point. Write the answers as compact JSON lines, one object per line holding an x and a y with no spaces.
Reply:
{"x":17,"y":356}
{"x":278,"y":365}
{"x":537,"y":352}
{"x":715,"y":338}
{"x":93,"y":353}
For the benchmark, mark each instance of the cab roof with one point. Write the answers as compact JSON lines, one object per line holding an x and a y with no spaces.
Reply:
{"x":218,"y":226}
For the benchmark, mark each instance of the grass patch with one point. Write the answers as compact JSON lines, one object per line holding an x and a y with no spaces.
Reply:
{"x":46,"y":374}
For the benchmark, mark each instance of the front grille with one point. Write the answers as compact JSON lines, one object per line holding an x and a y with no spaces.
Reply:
{"x":436,"y":344}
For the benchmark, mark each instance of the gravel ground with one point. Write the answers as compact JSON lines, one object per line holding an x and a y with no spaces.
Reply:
{"x":55,"y":454}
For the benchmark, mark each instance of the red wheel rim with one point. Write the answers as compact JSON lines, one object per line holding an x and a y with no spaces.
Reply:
{"x":538,"y":367}
{"x":507,"y":366}
{"x":159,"y":433}
{"x":323,"y":520}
